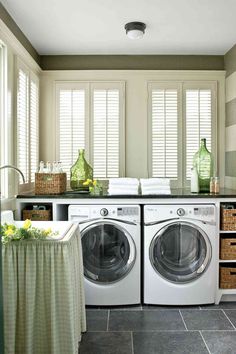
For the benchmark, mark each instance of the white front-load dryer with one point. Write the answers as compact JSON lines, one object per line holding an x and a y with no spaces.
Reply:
{"x":110,"y":238}
{"x":180,"y":261}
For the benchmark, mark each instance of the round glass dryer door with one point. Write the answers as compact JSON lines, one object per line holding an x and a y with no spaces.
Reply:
{"x":108,"y":252}
{"x":180,"y":252}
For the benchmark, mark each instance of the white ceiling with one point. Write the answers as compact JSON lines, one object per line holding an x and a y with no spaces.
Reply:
{"x":97,"y":26}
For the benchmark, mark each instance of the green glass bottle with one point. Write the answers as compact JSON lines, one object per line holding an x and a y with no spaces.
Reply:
{"x":203,"y":160}
{"x":80,"y":172}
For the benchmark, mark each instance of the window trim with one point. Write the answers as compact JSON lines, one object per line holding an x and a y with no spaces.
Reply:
{"x":88,"y":86}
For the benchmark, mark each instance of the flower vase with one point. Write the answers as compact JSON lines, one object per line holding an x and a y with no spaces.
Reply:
{"x":80,"y":172}
{"x":203,"y":161}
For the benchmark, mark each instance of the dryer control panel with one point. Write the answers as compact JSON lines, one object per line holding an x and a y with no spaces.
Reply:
{"x":201,"y":212}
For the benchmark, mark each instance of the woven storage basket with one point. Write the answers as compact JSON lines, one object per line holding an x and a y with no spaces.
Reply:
{"x":228,"y":248}
{"x":50,"y":183}
{"x":37,"y":215}
{"x":228,"y":277}
{"x":228,"y":219}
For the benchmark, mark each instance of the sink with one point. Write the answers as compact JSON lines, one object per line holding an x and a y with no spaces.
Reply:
{"x":62,"y":227}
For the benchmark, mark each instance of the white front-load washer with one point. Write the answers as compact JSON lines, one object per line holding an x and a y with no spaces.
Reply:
{"x":180,"y":261}
{"x":110,"y":238}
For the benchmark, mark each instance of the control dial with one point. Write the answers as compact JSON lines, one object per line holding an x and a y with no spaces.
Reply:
{"x":104,"y":212}
{"x":181,"y":212}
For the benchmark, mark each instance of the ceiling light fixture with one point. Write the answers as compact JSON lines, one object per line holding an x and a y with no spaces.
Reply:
{"x":135,"y":30}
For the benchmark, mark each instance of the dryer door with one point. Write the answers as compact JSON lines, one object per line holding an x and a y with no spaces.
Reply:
{"x":180,"y":252}
{"x":108,"y":252}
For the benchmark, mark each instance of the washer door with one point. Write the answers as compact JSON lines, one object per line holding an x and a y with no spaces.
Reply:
{"x":108,"y":252}
{"x":180,"y":252}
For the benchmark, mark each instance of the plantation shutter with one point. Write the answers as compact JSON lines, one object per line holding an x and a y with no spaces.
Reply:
{"x":198,"y":122}
{"x":164,"y":132}
{"x":106,"y":135}
{"x":71,"y":126}
{"x":23,"y":123}
{"x":34,"y":137}
{"x":4,"y":127}
{"x":27,"y":124}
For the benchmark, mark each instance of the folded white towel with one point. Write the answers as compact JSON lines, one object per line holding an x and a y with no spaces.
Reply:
{"x":122,"y":192}
{"x":155,"y":181}
{"x":156,"y":188}
{"x":123,"y":181}
{"x":154,"y":192}
{"x":123,"y":188}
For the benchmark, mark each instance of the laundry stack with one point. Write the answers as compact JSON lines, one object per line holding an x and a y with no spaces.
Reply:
{"x":123,"y":186}
{"x":155,"y":186}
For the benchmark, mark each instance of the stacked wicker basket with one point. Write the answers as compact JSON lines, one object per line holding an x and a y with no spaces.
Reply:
{"x":228,"y":248}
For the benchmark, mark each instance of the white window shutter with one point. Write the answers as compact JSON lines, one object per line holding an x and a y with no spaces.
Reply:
{"x":164,"y":133}
{"x":23,"y":123}
{"x":71,"y":126}
{"x":34,"y":136}
{"x":198,"y":122}
{"x":106,"y":134}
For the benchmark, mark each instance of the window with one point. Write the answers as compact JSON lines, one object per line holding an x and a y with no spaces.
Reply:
{"x":180,"y":114}
{"x":91,"y":116}
{"x":27,"y":123}
{"x":3,"y":120}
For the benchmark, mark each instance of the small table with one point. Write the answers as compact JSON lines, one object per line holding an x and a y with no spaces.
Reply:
{"x":44,"y":307}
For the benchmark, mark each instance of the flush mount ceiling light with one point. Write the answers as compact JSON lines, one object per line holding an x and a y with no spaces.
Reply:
{"x":135,"y":30}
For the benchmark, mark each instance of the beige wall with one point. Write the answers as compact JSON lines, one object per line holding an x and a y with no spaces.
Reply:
{"x":136,"y":110}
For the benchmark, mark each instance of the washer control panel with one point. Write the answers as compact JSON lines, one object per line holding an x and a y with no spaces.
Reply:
{"x":120,"y":212}
{"x":181,"y":212}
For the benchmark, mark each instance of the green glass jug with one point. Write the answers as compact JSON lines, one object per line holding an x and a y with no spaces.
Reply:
{"x":203,"y":161}
{"x":80,"y":172}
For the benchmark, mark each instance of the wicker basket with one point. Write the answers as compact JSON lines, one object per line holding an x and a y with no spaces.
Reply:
{"x":37,"y":215}
{"x":50,"y":183}
{"x":228,"y":219}
{"x":228,"y":248}
{"x":228,"y":277}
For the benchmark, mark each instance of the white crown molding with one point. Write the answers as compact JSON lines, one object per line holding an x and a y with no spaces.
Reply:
{"x":18,"y":49}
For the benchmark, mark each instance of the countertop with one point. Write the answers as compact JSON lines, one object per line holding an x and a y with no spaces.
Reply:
{"x":175,"y":193}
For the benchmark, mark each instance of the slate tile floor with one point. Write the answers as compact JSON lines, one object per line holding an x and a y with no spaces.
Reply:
{"x":209,"y":329}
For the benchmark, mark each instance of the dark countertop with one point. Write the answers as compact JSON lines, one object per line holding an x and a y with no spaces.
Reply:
{"x":175,"y":193}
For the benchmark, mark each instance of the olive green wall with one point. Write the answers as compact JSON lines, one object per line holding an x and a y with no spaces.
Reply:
{"x":230,"y":118}
{"x":132,"y":62}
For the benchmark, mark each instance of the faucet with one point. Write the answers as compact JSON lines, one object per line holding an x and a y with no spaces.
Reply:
{"x":14,"y":168}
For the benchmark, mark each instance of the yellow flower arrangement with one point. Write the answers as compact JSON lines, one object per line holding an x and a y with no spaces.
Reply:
{"x":10,"y":232}
{"x":90,"y":183}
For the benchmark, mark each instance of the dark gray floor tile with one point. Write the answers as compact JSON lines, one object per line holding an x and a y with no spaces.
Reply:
{"x":145,"y":320}
{"x":222,"y":305}
{"x":207,"y":319}
{"x":96,"y":320}
{"x":168,"y":343}
{"x":232,"y":316}
{"x":222,"y":342}
{"x":106,"y":343}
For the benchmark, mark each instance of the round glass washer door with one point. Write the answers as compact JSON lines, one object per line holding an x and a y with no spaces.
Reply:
{"x":180,"y":252}
{"x":109,"y":252}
